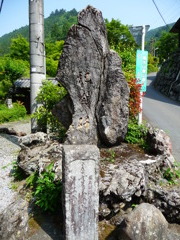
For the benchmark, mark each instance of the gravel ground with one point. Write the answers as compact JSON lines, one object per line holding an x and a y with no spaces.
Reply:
{"x":9,"y":149}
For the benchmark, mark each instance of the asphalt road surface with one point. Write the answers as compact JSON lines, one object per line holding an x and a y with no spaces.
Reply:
{"x":163,"y":113}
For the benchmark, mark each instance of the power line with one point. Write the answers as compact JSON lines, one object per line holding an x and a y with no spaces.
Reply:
{"x":1,"y":5}
{"x":160,"y":14}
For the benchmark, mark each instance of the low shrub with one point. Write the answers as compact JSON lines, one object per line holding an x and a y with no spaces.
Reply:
{"x":46,"y":190}
{"x":48,"y":96}
{"x":134,"y":98}
{"x":17,"y":112}
{"x":136,"y":134}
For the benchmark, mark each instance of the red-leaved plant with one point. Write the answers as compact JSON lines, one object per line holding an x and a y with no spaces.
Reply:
{"x":134,"y":98}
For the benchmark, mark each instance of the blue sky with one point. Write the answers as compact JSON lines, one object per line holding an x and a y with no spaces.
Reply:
{"x":132,"y":12}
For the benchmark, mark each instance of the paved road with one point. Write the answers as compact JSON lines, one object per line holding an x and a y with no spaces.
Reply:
{"x":163,"y":113}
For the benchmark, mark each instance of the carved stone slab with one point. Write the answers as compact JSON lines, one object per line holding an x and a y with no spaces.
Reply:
{"x":80,"y":191}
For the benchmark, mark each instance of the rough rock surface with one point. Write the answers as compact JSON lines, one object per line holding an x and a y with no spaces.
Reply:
{"x":38,"y":152}
{"x":145,"y":222}
{"x":159,"y":142}
{"x":138,"y":180}
{"x":168,"y":78}
{"x":14,"y":220}
{"x":92,"y":75}
{"x":127,"y":179}
{"x":167,"y":200}
{"x":113,"y":207}
{"x":121,"y":183}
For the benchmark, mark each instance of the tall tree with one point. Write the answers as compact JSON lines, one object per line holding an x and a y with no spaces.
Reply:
{"x":121,"y":40}
{"x":166,"y":45}
{"x":19,"y":48}
{"x":119,"y":35}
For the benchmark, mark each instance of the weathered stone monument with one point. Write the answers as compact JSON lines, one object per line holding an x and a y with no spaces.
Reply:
{"x":95,"y":111}
{"x":97,"y":101}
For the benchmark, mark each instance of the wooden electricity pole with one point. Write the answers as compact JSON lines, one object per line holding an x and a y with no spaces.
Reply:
{"x":37,"y":53}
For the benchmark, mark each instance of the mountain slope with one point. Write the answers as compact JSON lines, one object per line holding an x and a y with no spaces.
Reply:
{"x":56,"y":28}
{"x":156,"y":32}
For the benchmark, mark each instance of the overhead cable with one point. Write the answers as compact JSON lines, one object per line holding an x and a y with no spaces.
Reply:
{"x":160,"y":14}
{"x":1,"y":5}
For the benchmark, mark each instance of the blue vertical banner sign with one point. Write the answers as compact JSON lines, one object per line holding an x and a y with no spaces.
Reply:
{"x":141,"y":68}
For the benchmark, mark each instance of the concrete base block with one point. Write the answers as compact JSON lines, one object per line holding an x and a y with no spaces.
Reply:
{"x":80,"y":191}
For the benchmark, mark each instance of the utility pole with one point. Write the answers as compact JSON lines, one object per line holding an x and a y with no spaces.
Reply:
{"x":37,"y":53}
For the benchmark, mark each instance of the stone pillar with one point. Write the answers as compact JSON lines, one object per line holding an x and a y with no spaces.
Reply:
{"x":80,"y":191}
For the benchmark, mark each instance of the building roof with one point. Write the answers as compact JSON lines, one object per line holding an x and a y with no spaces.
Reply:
{"x":176,"y":27}
{"x":25,"y":83}
{"x":22,"y":83}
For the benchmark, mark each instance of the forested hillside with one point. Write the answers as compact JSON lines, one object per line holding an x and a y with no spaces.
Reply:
{"x":14,"y":47}
{"x":56,"y":28}
{"x":156,"y":32}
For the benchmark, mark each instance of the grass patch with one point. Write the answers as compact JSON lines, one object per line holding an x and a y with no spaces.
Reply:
{"x":17,"y":112}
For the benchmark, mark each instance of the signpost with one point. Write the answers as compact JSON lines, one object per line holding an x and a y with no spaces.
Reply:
{"x":141,"y":68}
{"x":141,"y":61}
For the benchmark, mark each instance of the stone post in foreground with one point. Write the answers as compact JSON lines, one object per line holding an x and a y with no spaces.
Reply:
{"x":80,"y":191}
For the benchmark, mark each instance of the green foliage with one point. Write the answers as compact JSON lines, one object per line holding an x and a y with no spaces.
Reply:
{"x":167,"y":44}
{"x":48,"y":96}
{"x":157,"y":32}
{"x":172,"y":174}
{"x":56,"y":27}
{"x":17,"y":173}
{"x":51,"y":66}
{"x":112,"y":156}
{"x":136,"y":134}
{"x":45,"y":189}
{"x":10,"y":70}
{"x":58,"y":24}
{"x":31,"y":180}
{"x":119,"y":35}
{"x":121,"y":40}
{"x":152,"y":63}
{"x":17,"y":112}
{"x":19,"y":48}
{"x":53,"y":52}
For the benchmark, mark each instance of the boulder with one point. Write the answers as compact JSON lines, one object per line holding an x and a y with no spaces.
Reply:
{"x":97,"y":88}
{"x":146,"y":222}
{"x":33,"y":139}
{"x":158,"y":141}
{"x":131,"y":182}
{"x":167,"y":200}
{"x":36,"y":157}
{"x":14,"y":220}
{"x":126,"y":180}
{"x":11,"y":131}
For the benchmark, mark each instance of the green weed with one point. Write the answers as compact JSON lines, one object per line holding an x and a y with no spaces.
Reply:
{"x":172,"y":174}
{"x":17,"y":172}
{"x":45,"y":189}
{"x":112,"y":156}
{"x":136,"y":134}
